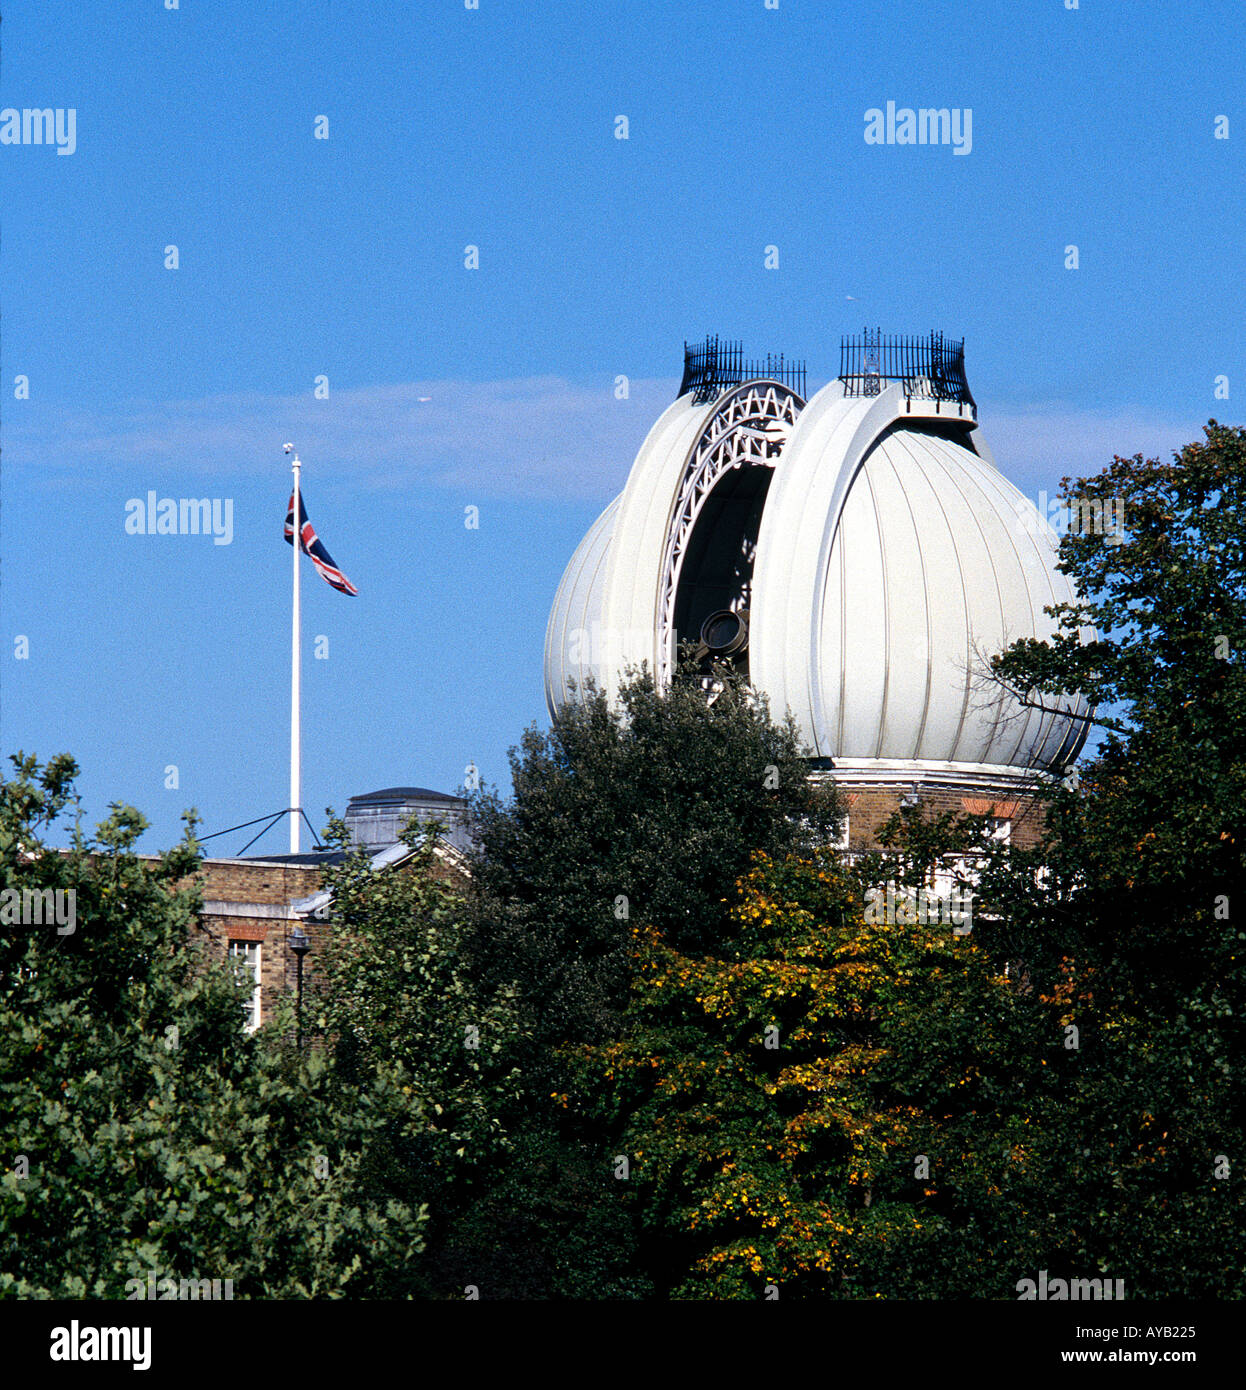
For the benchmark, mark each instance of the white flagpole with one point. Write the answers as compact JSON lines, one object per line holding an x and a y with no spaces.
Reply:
{"x":296,"y":804}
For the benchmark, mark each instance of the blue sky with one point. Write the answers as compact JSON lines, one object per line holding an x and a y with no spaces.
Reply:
{"x":344,"y":258}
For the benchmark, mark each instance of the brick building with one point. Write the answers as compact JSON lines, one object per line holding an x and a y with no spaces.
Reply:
{"x":1016,"y":819}
{"x":251,"y":906}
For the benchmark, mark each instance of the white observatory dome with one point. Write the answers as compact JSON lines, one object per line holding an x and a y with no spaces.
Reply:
{"x":872,"y":554}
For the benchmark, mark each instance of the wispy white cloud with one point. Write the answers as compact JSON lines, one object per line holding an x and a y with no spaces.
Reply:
{"x":1035,"y":446}
{"x":537,"y":437}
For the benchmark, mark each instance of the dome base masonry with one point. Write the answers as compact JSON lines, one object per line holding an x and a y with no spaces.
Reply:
{"x":873,"y":554}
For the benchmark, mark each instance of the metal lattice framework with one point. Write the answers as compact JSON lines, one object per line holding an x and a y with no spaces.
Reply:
{"x":748,"y":430}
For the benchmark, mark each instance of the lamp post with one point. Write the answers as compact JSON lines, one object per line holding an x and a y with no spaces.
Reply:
{"x":300,"y":944}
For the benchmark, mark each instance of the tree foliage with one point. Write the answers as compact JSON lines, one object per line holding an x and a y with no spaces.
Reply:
{"x":393,"y":990}
{"x":810,"y":1107}
{"x":140,"y":1128}
{"x":1141,"y":903}
{"x":644,"y":808}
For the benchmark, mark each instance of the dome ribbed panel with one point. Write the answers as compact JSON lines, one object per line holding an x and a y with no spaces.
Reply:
{"x":575,"y":640}
{"x":964,"y":594}
{"x":1034,"y":738}
{"x":933,"y":570}
{"x":855,"y":625}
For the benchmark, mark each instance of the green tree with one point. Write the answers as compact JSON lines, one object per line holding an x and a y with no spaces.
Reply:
{"x":1138,"y":915}
{"x":648,"y":809}
{"x":832,"y":1102}
{"x":140,"y":1129}
{"x":642,"y":810}
{"x":393,"y":989}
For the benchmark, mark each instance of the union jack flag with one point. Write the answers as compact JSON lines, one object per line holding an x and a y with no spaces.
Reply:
{"x":312,"y":546}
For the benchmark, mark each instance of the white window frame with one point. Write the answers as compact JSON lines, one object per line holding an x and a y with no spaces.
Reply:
{"x":242,"y":958}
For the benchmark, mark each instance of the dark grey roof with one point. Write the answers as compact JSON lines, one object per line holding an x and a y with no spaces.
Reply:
{"x":309,"y":859}
{"x":404,"y":794}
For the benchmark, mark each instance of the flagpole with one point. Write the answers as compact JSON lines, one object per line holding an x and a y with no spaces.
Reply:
{"x":296,"y":804}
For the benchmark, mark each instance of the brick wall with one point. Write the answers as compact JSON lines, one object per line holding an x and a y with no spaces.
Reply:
{"x":258,"y":881}
{"x":232,"y":886}
{"x":870,"y":806}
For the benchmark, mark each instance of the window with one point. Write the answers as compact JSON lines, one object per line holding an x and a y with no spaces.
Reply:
{"x":246,"y":958}
{"x":947,"y":875}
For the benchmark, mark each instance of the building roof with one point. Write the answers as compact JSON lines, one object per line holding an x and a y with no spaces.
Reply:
{"x":891,"y":559}
{"x":309,"y":859}
{"x":404,"y":794}
{"x":317,"y":904}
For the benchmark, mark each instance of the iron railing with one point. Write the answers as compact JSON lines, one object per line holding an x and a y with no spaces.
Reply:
{"x":930,"y":368}
{"x":710,"y":367}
